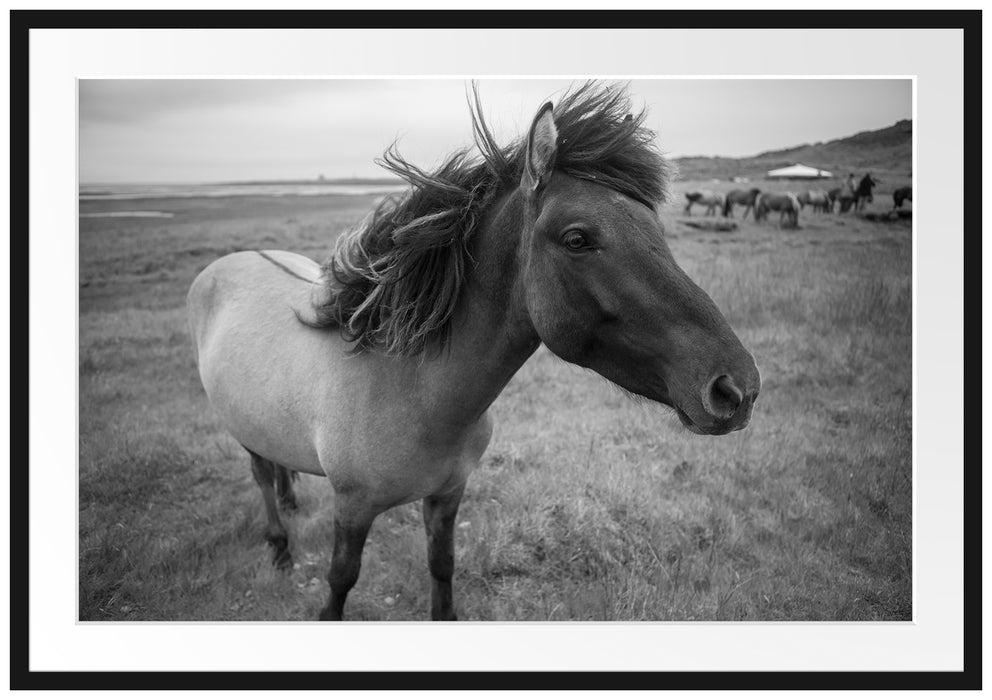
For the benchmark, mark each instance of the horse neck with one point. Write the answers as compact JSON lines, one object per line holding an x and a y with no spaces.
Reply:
{"x":491,"y":333}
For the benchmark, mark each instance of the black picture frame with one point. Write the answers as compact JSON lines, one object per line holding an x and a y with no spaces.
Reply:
{"x":22,"y":678}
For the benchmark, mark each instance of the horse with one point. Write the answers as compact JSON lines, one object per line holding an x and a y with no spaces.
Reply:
{"x":834,"y":195}
{"x":377,"y":369}
{"x":843,"y":197}
{"x":785,"y":203}
{"x":711,"y":199}
{"x":901,"y":195}
{"x":863,"y":193}
{"x":745,"y":197}
{"x":818,"y":199}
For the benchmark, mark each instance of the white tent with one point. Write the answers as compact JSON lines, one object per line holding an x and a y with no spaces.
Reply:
{"x":798,"y":172}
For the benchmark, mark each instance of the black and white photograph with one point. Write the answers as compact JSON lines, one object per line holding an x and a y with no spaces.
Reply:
{"x":346,"y":340}
{"x":420,"y":344}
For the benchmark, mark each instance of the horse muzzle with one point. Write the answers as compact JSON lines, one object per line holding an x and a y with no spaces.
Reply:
{"x":725,"y":406}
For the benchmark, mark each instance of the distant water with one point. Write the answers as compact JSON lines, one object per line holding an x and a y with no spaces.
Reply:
{"x":309,"y":189}
{"x":128,"y":214}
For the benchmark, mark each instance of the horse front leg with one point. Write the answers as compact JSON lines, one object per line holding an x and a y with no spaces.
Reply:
{"x":352,"y":521}
{"x":439,"y":522}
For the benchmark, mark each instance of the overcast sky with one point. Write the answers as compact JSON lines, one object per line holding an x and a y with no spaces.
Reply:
{"x":164,"y":131}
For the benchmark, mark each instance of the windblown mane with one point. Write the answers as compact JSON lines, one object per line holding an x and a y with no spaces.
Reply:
{"x":392,"y":281}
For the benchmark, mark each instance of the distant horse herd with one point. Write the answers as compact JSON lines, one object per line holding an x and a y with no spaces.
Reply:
{"x":846,"y":198}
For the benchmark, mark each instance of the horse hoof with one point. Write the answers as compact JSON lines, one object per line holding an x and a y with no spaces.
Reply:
{"x":283,"y":560}
{"x":281,"y":557}
{"x":328,"y":616}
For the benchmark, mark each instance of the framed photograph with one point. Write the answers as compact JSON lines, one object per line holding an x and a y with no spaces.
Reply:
{"x":628,"y":353}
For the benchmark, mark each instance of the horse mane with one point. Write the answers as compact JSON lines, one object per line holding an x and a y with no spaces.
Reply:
{"x":393,"y":280}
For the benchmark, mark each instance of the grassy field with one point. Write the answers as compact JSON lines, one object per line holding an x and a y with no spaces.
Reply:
{"x":806,"y":515}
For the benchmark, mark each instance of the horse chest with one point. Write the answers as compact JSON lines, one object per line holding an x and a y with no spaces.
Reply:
{"x":398,"y":462}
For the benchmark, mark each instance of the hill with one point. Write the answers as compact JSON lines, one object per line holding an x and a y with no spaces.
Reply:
{"x":885,"y":151}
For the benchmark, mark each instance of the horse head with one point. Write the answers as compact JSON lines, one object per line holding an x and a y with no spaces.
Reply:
{"x":603,"y":291}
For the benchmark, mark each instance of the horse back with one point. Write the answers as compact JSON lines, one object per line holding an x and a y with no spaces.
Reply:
{"x":247,"y":278}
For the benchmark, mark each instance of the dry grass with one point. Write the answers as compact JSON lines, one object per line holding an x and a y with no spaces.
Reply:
{"x":587,"y":505}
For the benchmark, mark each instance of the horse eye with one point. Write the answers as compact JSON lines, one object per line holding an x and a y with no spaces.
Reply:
{"x":574,"y":240}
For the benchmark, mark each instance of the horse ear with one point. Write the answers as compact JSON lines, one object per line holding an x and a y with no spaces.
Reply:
{"x":542,"y":146}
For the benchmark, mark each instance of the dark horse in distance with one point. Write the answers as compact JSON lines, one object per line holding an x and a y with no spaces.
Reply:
{"x":903,"y":194}
{"x":745,"y":197}
{"x":863,"y":194}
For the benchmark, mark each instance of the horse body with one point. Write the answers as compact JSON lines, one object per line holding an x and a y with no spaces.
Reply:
{"x":710,"y":199}
{"x":818,"y":199}
{"x":785,"y":203}
{"x":833,"y":196}
{"x":745,"y":197}
{"x":308,"y":378}
{"x":294,"y":395}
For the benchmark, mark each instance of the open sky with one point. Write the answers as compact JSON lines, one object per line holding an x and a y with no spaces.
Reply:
{"x":178,"y":131}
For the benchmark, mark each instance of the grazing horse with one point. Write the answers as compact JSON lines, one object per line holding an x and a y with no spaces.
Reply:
{"x":745,"y":197}
{"x":785,"y":203}
{"x":818,"y":199}
{"x":711,"y":199}
{"x":901,"y":195}
{"x":378,"y":368}
{"x":843,"y":197}
{"x":864,"y":191}
{"x":833,"y":196}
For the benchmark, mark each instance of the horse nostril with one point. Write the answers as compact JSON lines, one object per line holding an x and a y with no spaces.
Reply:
{"x":723,"y":398}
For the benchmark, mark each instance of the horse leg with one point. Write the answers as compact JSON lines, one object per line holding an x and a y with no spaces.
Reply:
{"x":264,"y":472}
{"x":352,"y":521}
{"x":439,"y":522}
{"x":284,"y":488}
